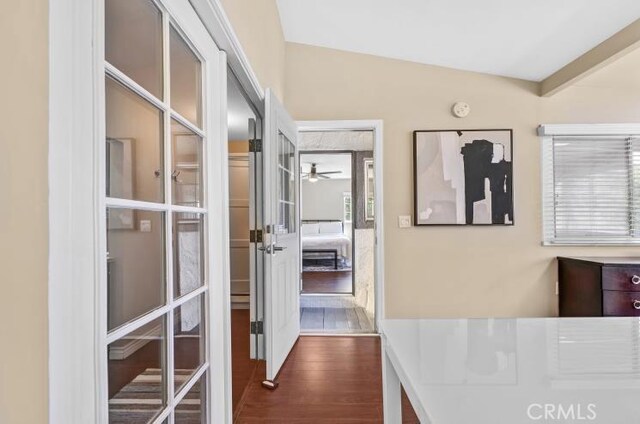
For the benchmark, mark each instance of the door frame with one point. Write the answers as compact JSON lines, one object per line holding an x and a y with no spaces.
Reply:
{"x":378,"y":154}
{"x":76,"y":54}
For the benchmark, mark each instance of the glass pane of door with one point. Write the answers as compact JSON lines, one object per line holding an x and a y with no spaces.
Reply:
{"x":133,"y":41}
{"x":192,"y":408}
{"x":135,"y":264}
{"x":188,"y":336}
{"x":186,"y":176}
{"x":134,"y":145}
{"x":137,"y":375}
{"x":186,"y":84}
{"x":188,"y":261}
{"x":286,"y":186}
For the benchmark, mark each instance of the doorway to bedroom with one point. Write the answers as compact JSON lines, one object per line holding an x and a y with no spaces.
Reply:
{"x":337,"y":232}
{"x":326,"y":228}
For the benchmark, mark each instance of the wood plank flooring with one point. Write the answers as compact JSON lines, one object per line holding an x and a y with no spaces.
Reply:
{"x":327,"y":282}
{"x":325,"y":380}
{"x":243,"y":369}
{"x":337,"y":320}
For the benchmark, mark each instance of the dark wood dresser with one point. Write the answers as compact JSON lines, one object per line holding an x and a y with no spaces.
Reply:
{"x":595,"y":287}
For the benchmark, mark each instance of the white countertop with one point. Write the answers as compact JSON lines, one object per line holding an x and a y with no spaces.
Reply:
{"x":507,"y":371}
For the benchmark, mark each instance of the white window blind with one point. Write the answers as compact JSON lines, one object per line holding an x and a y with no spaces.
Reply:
{"x":591,"y":189}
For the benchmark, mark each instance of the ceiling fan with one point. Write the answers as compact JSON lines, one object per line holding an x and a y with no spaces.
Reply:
{"x":314,"y":175}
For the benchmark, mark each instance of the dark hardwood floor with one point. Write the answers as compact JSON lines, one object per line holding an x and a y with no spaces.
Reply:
{"x":243,"y":369}
{"x":327,"y":282}
{"x":324,"y":380}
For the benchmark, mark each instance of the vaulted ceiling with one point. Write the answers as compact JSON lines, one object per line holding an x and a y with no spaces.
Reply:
{"x":528,"y":39}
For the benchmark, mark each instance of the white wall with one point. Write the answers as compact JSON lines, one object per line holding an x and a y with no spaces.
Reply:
{"x":323,"y":199}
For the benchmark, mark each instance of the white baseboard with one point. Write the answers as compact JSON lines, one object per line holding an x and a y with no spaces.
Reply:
{"x":118,"y":353}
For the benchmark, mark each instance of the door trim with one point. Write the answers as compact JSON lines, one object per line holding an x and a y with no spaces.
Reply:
{"x":75,"y":67}
{"x":377,"y":127}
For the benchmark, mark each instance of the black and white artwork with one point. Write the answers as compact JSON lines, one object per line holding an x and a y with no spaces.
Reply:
{"x":463,"y":177}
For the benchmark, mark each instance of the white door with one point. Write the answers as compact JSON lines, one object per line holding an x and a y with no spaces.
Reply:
{"x":281,"y":248}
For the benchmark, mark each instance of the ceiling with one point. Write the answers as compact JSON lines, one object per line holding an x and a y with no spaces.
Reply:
{"x":328,"y":162}
{"x":528,"y":39}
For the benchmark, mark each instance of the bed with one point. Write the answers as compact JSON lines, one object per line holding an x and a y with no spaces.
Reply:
{"x":324,"y":237}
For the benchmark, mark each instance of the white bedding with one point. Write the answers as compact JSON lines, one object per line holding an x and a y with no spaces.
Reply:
{"x":340,"y":242}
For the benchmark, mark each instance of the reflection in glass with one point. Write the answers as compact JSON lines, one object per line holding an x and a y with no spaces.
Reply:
{"x":133,"y":41}
{"x":188,"y":262}
{"x":135,"y":264}
{"x":137,"y":377}
{"x":186,"y":166}
{"x":188,"y":333}
{"x":134,"y":140}
{"x":185,"y":79}
{"x":192,"y":408}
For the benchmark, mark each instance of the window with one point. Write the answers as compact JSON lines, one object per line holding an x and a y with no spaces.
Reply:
{"x":346,"y":207}
{"x":591,"y":185}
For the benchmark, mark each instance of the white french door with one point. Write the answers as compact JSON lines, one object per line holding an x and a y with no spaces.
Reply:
{"x":165,"y":232}
{"x":281,"y":179}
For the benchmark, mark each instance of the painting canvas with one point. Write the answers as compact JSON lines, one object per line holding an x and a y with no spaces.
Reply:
{"x":463,"y":177}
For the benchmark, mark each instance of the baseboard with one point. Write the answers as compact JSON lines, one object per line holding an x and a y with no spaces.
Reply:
{"x":240,"y":301}
{"x":119,"y":353}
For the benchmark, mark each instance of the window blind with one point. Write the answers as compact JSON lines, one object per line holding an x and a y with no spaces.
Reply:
{"x":591,"y":189}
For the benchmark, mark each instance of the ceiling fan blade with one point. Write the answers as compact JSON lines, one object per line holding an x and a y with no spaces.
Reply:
{"x":329,"y":172}
{"x":324,"y":177}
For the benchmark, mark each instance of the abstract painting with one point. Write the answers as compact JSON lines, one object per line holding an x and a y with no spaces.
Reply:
{"x":463,"y":177}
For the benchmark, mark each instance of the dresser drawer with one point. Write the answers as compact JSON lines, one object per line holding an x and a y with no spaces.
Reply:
{"x":621,"y":278}
{"x":621,"y":304}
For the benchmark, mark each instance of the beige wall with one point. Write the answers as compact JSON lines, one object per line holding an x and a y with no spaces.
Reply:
{"x":446,"y":271}
{"x":23,"y":214}
{"x":257,"y":25}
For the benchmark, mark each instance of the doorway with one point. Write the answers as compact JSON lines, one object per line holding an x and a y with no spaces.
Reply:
{"x":243,"y":120}
{"x":338,"y":293}
{"x":326,"y":222}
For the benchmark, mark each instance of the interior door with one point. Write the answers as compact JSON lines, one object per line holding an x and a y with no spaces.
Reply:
{"x":281,"y":247}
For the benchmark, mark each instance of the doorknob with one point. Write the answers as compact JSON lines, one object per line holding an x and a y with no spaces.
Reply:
{"x":271,"y":248}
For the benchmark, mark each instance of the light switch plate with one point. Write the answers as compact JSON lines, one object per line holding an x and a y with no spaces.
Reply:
{"x":145,"y":226}
{"x":404,"y":221}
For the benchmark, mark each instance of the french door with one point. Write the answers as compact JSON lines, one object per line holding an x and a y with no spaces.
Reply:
{"x":165,"y":221}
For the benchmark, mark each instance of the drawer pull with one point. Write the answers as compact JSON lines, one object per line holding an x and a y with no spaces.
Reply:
{"x":635,"y":279}
{"x":636,"y":304}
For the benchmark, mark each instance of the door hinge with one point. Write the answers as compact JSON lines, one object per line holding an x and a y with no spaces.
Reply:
{"x":255,"y":236}
{"x":257,"y":327}
{"x":255,"y":146}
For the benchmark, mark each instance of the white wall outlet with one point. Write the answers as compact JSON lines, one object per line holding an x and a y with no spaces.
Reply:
{"x":404,"y":221}
{"x":145,"y":226}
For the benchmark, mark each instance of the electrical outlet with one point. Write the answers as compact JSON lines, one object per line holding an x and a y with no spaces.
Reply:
{"x":145,"y":226}
{"x":404,"y":221}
